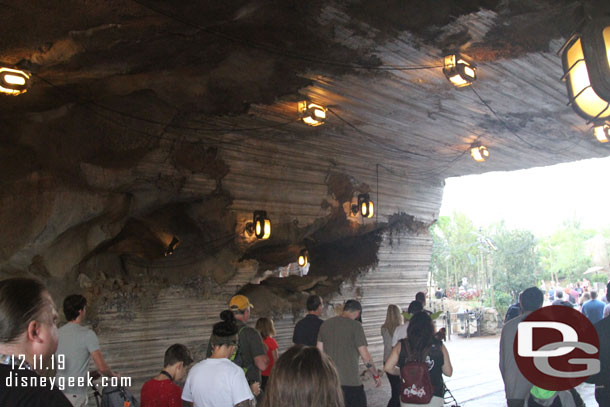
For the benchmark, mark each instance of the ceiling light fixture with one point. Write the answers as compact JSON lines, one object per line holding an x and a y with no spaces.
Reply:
{"x":13,"y":81}
{"x":479,"y":153}
{"x":311,"y":113}
{"x":586,"y":65}
{"x":303,"y":258}
{"x":602,"y":132}
{"x":459,"y":70}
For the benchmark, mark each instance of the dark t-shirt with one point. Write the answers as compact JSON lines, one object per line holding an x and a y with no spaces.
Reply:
{"x":306,"y":330}
{"x":512,"y":312}
{"x":250,"y":345}
{"x":564,"y":303}
{"x":434,"y":360}
{"x":13,"y":393}
{"x":603,"y":333}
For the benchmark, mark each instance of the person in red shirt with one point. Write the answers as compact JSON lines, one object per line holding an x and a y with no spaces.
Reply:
{"x":161,"y":391}
{"x":267,"y":330}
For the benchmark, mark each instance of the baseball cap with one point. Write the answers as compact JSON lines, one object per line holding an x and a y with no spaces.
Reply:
{"x":239,"y":303}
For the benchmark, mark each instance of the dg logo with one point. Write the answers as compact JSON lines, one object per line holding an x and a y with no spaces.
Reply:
{"x":557,"y":348}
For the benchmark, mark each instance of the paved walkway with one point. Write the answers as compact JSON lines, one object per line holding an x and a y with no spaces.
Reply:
{"x":476,"y":380}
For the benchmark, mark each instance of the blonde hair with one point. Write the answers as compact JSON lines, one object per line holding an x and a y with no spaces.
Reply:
{"x":393,"y":318}
{"x":265,"y":327}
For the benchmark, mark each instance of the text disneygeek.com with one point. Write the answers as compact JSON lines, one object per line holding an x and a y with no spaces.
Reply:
{"x":14,"y":379}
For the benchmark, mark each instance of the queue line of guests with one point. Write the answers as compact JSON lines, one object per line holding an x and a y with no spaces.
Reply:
{"x":321,"y":369}
{"x":519,"y":390}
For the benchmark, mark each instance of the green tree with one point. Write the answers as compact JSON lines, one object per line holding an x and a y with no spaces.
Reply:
{"x":455,"y":250}
{"x":563,"y":254}
{"x":515,"y":261}
{"x":505,"y":262}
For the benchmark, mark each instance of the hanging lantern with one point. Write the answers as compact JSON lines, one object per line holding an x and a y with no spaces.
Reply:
{"x":459,"y":70}
{"x":172,"y":246}
{"x":311,"y":113}
{"x":13,"y":81}
{"x":586,"y":66}
{"x":602,"y":132}
{"x":365,"y":205}
{"x":303,"y":258}
{"x":479,"y":153}
{"x":262,"y":225}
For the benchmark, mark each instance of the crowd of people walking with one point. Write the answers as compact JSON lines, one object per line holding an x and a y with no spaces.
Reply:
{"x":244,"y":367}
{"x":519,"y":390}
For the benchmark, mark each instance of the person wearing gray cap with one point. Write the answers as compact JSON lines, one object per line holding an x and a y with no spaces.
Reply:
{"x":342,"y":339}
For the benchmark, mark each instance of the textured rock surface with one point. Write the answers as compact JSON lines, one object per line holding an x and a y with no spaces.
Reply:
{"x":148,"y":121}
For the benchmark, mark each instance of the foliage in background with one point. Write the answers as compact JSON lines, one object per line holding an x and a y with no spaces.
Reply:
{"x":516,"y":258}
{"x":454,"y":249}
{"x":502,"y":300}
{"x":563,"y":254}
{"x":515,"y":262}
{"x":598,"y":278}
{"x":460,"y":250}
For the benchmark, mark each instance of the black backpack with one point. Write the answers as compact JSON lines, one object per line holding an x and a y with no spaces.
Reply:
{"x":118,"y":397}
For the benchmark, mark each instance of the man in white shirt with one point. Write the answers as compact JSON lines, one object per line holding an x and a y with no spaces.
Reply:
{"x":217,"y":381}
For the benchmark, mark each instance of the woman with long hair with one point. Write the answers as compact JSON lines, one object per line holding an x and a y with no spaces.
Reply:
{"x":303,"y":377}
{"x":267,"y":330}
{"x":422,"y":345}
{"x":217,"y":381}
{"x":392,"y":320}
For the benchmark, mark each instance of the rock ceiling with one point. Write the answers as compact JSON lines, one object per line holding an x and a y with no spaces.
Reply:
{"x":115,"y":81}
{"x":111,"y":78}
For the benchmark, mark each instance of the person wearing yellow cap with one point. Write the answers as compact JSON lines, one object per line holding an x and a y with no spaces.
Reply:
{"x":251,"y":354}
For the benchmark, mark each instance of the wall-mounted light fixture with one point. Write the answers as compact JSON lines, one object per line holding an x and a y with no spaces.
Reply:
{"x":13,"y":81}
{"x":303,"y":258}
{"x":260,"y":226}
{"x":365,"y":206}
{"x":172,"y":246}
{"x":459,"y":70}
{"x":602,"y":132}
{"x":586,"y":66}
{"x":311,"y":113}
{"x":479,"y":153}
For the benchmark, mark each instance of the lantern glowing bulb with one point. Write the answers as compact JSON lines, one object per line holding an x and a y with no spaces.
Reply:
{"x":368,"y":210}
{"x":311,"y":113}
{"x":365,"y":205}
{"x":459,"y":71}
{"x":303,"y":258}
{"x":13,"y":81}
{"x":172,"y":246}
{"x":262,"y":225}
{"x":602,"y":133}
{"x":479,"y":153}
{"x":586,"y":66}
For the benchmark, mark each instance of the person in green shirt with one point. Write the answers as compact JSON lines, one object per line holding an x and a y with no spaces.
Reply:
{"x":342,"y":339}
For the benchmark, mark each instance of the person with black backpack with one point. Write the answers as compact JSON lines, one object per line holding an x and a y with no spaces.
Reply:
{"x":421,"y":359}
{"x":251,"y":353}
